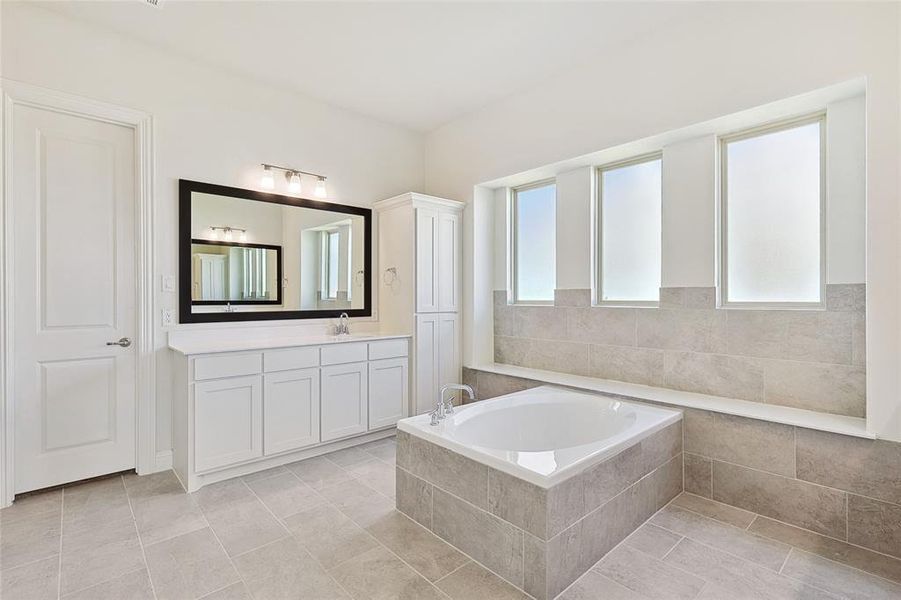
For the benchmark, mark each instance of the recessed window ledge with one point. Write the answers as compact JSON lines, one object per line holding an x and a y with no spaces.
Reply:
{"x":786,"y":415}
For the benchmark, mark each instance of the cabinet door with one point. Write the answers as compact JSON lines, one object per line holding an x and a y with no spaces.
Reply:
{"x":449,"y":258}
{"x":290,"y":410}
{"x":344,"y":405}
{"x":449,"y":367}
{"x":427,"y":341}
{"x":228,"y":423}
{"x":388,"y":396}
{"x":426,"y":260}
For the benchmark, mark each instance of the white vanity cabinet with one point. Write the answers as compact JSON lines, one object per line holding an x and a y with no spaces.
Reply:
{"x":345,"y":409}
{"x":237,"y":411}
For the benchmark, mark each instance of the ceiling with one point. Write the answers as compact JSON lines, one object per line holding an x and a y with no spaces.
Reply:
{"x":417,"y":65}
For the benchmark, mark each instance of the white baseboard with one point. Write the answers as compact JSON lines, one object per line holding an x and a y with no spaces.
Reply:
{"x":163,"y":461}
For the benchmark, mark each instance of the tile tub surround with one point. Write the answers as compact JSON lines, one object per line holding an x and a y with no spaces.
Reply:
{"x":810,"y":359}
{"x":540,"y":540}
{"x":843,"y":487}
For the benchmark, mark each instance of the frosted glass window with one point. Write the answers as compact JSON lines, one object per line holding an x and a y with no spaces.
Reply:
{"x":773,"y":220}
{"x":333,"y":239}
{"x":534,"y":243}
{"x":630,"y":223}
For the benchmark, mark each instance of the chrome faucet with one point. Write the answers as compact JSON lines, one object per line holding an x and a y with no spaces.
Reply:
{"x":342,"y":327}
{"x":442,"y":408}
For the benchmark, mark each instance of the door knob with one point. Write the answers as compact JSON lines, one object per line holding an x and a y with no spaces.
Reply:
{"x":124,"y":342}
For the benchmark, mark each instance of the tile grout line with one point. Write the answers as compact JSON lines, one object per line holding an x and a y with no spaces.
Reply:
{"x":134,"y":519}
{"x":785,"y":562}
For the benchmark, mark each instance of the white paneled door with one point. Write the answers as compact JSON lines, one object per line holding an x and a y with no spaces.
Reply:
{"x":73,"y":216}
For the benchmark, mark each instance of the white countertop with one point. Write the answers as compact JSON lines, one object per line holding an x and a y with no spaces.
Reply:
{"x":229,"y":343}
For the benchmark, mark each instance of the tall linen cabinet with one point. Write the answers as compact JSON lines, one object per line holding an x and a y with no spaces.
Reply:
{"x":420,"y":278}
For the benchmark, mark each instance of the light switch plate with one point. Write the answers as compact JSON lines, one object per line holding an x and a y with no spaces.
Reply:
{"x":168,"y":317}
{"x":168,"y":283}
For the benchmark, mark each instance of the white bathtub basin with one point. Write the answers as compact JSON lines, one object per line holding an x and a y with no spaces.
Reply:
{"x":544,"y":435}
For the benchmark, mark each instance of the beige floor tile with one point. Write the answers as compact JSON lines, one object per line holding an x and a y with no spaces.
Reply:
{"x":28,"y":538}
{"x":594,"y":586}
{"x":329,"y":535}
{"x":759,"y":550}
{"x":223,"y":495}
{"x":31,"y":506}
{"x":854,"y":556}
{"x":837,"y":578}
{"x":131,"y":586}
{"x":284,"y":569}
{"x":365,"y":512}
{"x":473,"y":581}
{"x":738,"y":578}
{"x":244,"y":526}
{"x":155,"y":484}
{"x":430,"y":556}
{"x":94,"y":555}
{"x":236,"y":591}
{"x":715,"y":510}
{"x":385,"y":450}
{"x":164,"y":516}
{"x":376,"y":474}
{"x":349,"y":493}
{"x":37,"y":580}
{"x":265,"y":474}
{"x":646,"y":575}
{"x":189,"y":566}
{"x":348,"y":457}
{"x":379,"y":575}
{"x":653,"y":540}
{"x":94,"y":502}
{"x":285,"y":494}
{"x":319,"y":472}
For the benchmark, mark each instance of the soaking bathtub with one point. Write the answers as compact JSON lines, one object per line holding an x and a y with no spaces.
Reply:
{"x":543,"y":435}
{"x":539,"y":485}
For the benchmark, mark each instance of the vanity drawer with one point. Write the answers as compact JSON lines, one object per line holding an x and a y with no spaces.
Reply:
{"x":388,"y":349}
{"x":339,"y":354}
{"x":290,"y":358}
{"x":227,"y":365}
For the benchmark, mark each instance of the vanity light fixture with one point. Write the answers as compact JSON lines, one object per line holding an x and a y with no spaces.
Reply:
{"x":293,"y":178}
{"x":267,"y":182}
{"x":293,"y":182}
{"x":228,"y":233}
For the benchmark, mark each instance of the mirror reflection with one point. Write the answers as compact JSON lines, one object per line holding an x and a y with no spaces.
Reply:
{"x":262,"y":256}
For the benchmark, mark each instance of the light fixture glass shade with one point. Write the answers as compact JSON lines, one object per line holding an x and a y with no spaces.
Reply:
{"x":228,"y":235}
{"x":243,"y":237}
{"x":320,"y":188}
{"x":215,"y":234}
{"x":267,"y":181}
{"x":294,"y":183}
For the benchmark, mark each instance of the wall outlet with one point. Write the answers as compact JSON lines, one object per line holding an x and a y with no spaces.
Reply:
{"x":168,"y":283}
{"x":168,"y":317}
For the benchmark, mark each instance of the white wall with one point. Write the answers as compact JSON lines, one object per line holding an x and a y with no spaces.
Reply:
{"x":209,"y":126}
{"x":741,"y":56}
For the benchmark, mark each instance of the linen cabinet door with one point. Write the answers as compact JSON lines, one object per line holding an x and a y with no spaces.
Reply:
{"x":290,"y":410}
{"x":426,"y":260}
{"x":388,"y":396}
{"x":449,"y":367}
{"x":427,"y":368}
{"x":228,"y":423}
{"x":345,"y":395}
{"x":449,"y":256}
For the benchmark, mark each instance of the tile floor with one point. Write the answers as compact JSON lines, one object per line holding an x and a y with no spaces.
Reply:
{"x":326,"y":528}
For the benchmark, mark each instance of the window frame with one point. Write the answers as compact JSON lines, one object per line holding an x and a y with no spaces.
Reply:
{"x":513,"y":212}
{"x":722,"y":208}
{"x":598,"y":291}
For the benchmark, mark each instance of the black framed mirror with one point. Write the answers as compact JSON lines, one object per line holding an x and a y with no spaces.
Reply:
{"x":246,"y":255}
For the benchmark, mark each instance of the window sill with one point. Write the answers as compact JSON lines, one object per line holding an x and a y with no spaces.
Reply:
{"x":786,"y":415}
